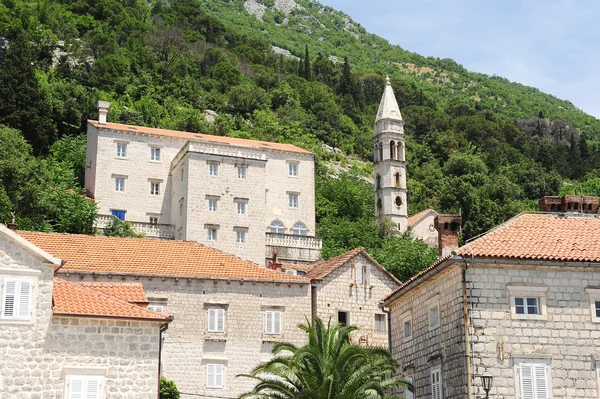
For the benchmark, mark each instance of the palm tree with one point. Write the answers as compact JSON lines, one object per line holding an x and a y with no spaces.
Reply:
{"x":329,"y":366}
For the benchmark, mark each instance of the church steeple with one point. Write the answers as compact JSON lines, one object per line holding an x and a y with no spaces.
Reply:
{"x":390,"y":161}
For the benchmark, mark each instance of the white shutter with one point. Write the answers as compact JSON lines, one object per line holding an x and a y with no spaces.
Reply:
{"x":218,"y":375}
{"x":212,"y":320}
{"x":269,"y":322}
{"x":220,"y":320}
{"x":436,"y":384}
{"x":541,"y":381}
{"x":9,"y":298}
{"x":359,"y":274}
{"x":276,"y":322}
{"x":76,"y":388}
{"x":526,"y":377}
{"x":24,"y":299}
{"x":210,"y":375}
{"x":92,"y":388}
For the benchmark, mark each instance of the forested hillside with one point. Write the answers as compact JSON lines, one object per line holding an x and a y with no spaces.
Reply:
{"x":477,"y":145}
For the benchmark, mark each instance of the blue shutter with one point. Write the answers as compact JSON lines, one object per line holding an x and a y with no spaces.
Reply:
{"x":118,"y":214}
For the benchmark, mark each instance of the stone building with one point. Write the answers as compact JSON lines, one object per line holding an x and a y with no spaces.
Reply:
{"x":62,"y":339}
{"x":246,"y":197}
{"x":348,"y":289}
{"x":389,"y":158}
{"x":520,"y":304}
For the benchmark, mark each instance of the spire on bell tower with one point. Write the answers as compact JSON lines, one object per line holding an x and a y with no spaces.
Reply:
{"x":390,"y":161}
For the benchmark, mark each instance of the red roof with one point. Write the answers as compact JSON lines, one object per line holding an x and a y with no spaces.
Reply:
{"x":77,"y":299}
{"x":531,"y":237}
{"x":130,"y":292}
{"x":137,"y":256}
{"x":198,"y":137}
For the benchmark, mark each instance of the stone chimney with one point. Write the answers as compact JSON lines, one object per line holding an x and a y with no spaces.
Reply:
{"x":12,"y":225}
{"x":569,"y":204}
{"x":102,"y":111}
{"x":447,"y":227}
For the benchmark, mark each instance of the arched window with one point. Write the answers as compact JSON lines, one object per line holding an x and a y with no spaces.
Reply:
{"x":380,"y":152}
{"x":299,"y":229}
{"x":397,"y":177}
{"x":378,"y":182}
{"x":392,"y":149}
{"x":276,"y":227}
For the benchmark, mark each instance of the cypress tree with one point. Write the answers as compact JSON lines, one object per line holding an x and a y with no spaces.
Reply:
{"x":307,"y":74}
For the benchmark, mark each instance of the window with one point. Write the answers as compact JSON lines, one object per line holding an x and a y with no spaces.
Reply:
{"x":212,"y":234}
{"x":436,"y":384}
{"x":241,"y":208}
{"x":293,"y":200}
{"x":434,"y":316}
{"x":526,"y":306}
{"x":241,"y":172}
{"x":119,"y":184}
{"x":240,"y":237}
{"x":380,"y":323}
{"x":84,"y":386}
{"x":273,"y":322}
{"x":154,"y":188}
{"x":121,"y":150}
{"x":216,"y":320}
{"x":594,"y":295}
{"x":213,"y":169}
{"x":293,"y":169}
{"x":155,"y":154}
{"x":16,"y":299}
{"x":533,"y":380}
{"x":156,"y":307}
{"x":212,"y":205}
{"x":214,"y":376}
{"x":409,"y":394}
{"x":276,"y":227}
{"x":361,"y":274}
{"x":343,"y":318}
{"x":398,"y":201}
{"x":407,"y":329}
{"x":597,"y":306}
{"x":118,"y":214}
{"x":397,"y":178}
{"x":153,"y":220}
{"x":299,"y":229}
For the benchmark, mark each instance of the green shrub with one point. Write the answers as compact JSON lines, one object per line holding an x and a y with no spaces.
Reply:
{"x":168,"y":390}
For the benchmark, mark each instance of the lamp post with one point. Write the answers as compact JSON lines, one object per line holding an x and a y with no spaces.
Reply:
{"x":486,"y":381}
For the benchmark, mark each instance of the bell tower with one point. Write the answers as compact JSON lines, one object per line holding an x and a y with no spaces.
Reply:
{"x":390,"y":161}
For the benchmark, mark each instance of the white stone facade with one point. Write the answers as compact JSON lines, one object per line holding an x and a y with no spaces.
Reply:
{"x":188,"y":345}
{"x":186,"y":183}
{"x":39,"y":352}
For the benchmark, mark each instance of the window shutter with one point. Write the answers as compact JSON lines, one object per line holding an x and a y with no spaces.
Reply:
{"x":436,"y":384}
{"x":541,"y":385}
{"x":276,"y":322}
{"x":212,"y":320}
{"x":218,"y":375}
{"x":9,"y":298}
{"x":92,"y":389}
{"x":221,"y":320}
{"x":526,"y":374}
{"x":269,"y":322}
{"x":24,"y":299}
{"x":210,"y":375}
{"x":76,"y":388}
{"x":359,"y":274}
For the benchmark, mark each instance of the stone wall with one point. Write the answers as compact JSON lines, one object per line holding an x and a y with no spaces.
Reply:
{"x":36,"y":355}
{"x":338,"y":293}
{"x":428,"y":348}
{"x":188,"y":347}
{"x":565,"y":337}
{"x":425,"y":230}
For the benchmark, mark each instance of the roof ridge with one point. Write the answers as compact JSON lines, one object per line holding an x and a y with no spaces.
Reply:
{"x":112,"y":298}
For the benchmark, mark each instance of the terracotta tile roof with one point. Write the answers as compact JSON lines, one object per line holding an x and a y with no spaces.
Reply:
{"x":199,"y":137}
{"x":76,"y":299}
{"x":322,"y":268}
{"x":117,"y":255}
{"x":130,"y":292}
{"x":533,"y":237}
{"x":418,"y":216}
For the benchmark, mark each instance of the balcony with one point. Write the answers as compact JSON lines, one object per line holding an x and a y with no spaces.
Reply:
{"x":293,"y":248}
{"x":151,"y":230}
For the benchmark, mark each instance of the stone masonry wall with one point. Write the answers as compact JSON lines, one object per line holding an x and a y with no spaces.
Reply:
{"x":337,"y":292}
{"x":430,"y":348}
{"x":188,"y":347}
{"x":566,"y":339}
{"x":35,"y":356}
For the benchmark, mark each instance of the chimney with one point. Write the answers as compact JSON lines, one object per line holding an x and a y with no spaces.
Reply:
{"x":569,"y":204}
{"x":273,"y":264}
{"x":447,"y":227}
{"x":12,"y":225}
{"x":102,"y":111}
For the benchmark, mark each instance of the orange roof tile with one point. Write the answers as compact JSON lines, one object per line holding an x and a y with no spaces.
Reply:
{"x":130,"y":292}
{"x":418,"y":216}
{"x":532,"y":237}
{"x":198,"y":137}
{"x":76,"y":299}
{"x":147,"y":256}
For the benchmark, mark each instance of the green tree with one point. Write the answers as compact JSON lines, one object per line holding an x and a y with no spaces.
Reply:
{"x":168,"y":389}
{"x":329,"y":366}
{"x":307,"y":74}
{"x":121,"y":228}
{"x":404,"y":256}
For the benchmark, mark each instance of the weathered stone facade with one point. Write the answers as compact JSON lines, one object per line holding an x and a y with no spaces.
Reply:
{"x":189,"y":347}
{"x":40,"y":352}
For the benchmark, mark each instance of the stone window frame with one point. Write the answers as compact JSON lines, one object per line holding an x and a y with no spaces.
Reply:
{"x":241,"y":170}
{"x":219,"y":307}
{"x":280,"y":310}
{"x":241,"y":204}
{"x":215,"y":228}
{"x":155,"y":153}
{"x":240,"y":234}
{"x":121,"y":144}
{"x":213,"y":168}
{"x":293,"y":169}
{"x":157,"y":304}
{"x":31,"y":276}
{"x":93,"y":373}
{"x":153,"y":220}
{"x":594,"y":296}
{"x":539,"y":291}
{"x":117,"y":178}
{"x":293,"y":199}
{"x":431,"y":304}
{"x":385,"y":326}
{"x":406,"y":317}
{"x":365,"y":274}
{"x":532,"y":358}
{"x":216,"y":365}
{"x":440,"y":382}
{"x":155,"y":187}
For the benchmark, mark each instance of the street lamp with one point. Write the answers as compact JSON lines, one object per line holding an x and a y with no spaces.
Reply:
{"x":486,"y":381}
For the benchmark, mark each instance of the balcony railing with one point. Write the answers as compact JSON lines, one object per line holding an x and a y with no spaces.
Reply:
{"x":151,"y":230}
{"x":293,"y":248}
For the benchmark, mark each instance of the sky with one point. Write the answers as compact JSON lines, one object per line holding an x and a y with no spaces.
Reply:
{"x":549,"y":44}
